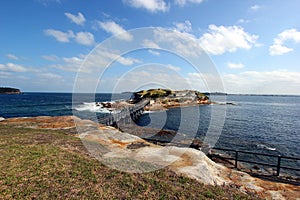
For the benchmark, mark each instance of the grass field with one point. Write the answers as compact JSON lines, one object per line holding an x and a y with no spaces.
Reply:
{"x":51,"y":164}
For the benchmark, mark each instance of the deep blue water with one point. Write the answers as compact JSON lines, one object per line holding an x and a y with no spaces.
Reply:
{"x":269,"y":124}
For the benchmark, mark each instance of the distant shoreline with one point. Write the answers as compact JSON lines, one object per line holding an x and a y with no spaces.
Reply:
{"x":9,"y":90}
{"x":212,"y":94}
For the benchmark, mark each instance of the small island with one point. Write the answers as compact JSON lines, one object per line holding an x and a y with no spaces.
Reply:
{"x":161,"y":99}
{"x":8,"y":90}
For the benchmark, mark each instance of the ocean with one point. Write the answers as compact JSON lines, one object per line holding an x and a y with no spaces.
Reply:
{"x":257,"y":123}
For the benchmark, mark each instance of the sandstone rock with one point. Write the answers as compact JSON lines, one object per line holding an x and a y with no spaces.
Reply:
{"x":130,"y":153}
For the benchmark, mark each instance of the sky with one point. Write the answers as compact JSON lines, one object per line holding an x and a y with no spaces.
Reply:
{"x":234,"y":46}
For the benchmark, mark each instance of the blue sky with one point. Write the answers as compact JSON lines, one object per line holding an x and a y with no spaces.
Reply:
{"x":254,"y":45}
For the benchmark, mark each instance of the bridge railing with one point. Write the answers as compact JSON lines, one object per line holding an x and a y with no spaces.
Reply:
{"x":237,"y":158}
{"x":123,"y":113}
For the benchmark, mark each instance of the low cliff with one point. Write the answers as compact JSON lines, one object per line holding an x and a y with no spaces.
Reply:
{"x":8,"y":90}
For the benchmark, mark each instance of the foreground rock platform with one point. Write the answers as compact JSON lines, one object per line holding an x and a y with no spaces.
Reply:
{"x":130,"y":153}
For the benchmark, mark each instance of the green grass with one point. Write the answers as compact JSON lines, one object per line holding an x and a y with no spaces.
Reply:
{"x":48,"y":164}
{"x":155,"y":93}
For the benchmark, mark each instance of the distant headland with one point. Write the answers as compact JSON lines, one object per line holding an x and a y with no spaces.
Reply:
{"x":8,"y":90}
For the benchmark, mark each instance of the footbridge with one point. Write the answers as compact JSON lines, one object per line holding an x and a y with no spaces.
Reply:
{"x":128,"y":113}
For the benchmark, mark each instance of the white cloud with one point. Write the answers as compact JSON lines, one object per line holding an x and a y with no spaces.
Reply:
{"x":50,"y":76}
{"x":52,"y":58}
{"x":278,"y":47}
{"x":47,"y":2}
{"x":77,"y":19}
{"x":249,"y":82}
{"x":267,"y":82}
{"x":146,"y":76}
{"x":115,"y":29}
{"x":74,"y":61}
{"x":150,"y":5}
{"x":13,"y":67}
{"x":206,"y":82}
{"x":221,"y":39}
{"x":255,"y":7}
{"x":243,"y":21}
{"x":184,"y":2}
{"x":184,"y":44}
{"x":172,"y":67}
{"x":150,"y":44}
{"x":71,"y":64}
{"x":218,"y":40}
{"x":85,"y":38}
{"x":2,"y":67}
{"x":156,"y":53}
{"x":107,"y":55}
{"x":127,"y":61}
{"x":290,"y":34}
{"x":4,"y":74}
{"x":185,"y":26}
{"x":59,"y":35}
{"x":235,"y":65}
{"x":12,"y":56}
{"x":97,"y":60}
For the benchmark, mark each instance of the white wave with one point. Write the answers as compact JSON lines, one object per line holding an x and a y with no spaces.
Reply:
{"x":92,"y":107}
{"x":148,"y":111}
{"x":263,"y":146}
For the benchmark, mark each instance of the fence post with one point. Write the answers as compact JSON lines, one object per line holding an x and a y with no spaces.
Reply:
{"x":278,"y":165}
{"x":236,"y":159}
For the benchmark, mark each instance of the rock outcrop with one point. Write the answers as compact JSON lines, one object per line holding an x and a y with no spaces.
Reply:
{"x":130,"y":153}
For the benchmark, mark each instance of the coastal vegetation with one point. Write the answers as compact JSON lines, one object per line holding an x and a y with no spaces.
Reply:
{"x":53,"y":164}
{"x":164,"y":93}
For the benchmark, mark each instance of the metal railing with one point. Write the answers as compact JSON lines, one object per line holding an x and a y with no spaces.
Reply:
{"x":236,"y":157}
{"x":278,"y":158}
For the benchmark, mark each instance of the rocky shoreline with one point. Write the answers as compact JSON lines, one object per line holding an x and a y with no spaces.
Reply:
{"x":114,"y":145}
